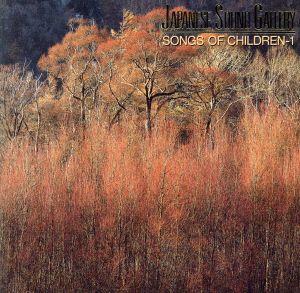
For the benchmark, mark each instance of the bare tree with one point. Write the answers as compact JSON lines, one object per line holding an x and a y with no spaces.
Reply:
{"x":275,"y":77}
{"x":213,"y":79}
{"x":19,"y":92}
{"x":77,"y":66}
{"x":150,"y":70}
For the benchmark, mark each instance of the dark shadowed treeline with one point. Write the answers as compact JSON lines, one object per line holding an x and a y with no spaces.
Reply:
{"x":29,"y":28}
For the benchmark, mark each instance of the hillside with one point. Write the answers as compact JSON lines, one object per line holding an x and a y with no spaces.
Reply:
{"x":29,"y":28}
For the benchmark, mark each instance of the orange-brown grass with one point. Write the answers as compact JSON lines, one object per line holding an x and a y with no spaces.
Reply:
{"x":118,"y":211}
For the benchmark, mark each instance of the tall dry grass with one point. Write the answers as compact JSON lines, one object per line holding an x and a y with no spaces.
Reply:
{"x":116,"y":211}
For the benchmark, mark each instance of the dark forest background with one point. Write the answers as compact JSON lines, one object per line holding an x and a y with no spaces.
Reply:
{"x":29,"y":27}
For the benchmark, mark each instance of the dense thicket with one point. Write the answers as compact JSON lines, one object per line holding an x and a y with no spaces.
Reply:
{"x":117,"y":213}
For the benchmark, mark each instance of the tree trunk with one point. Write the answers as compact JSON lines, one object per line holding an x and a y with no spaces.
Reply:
{"x":149,"y":118}
{"x":83,"y":115}
{"x":38,"y":126}
{"x":208,"y":126}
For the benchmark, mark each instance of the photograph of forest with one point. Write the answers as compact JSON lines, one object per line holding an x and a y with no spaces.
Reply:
{"x":128,"y":166}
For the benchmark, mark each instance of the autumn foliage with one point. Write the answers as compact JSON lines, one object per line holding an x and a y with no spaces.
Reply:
{"x":143,"y":168}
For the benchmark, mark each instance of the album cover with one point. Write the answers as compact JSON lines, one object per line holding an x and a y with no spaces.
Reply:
{"x":149,"y":146}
